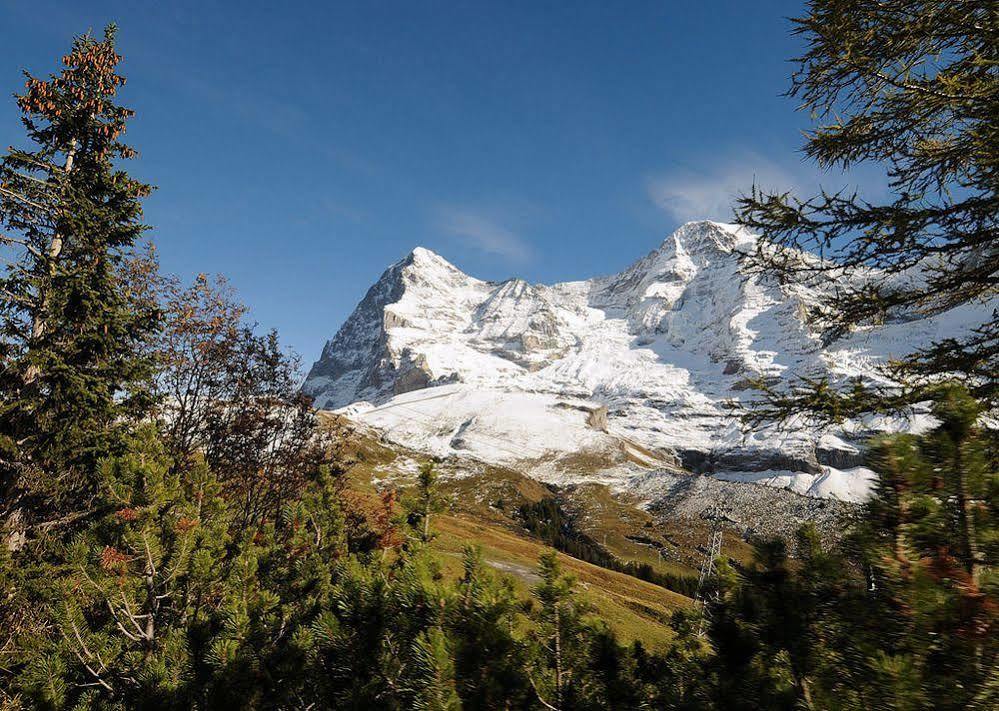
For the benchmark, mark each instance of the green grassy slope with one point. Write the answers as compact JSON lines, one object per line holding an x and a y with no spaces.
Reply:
{"x":485,"y":504}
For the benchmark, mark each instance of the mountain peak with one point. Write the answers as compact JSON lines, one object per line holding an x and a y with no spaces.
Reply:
{"x":423,"y":254}
{"x":699,"y":235}
{"x":426,"y":259}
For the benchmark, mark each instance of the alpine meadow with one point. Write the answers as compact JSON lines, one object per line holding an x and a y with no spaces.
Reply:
{"x":757,"y":468}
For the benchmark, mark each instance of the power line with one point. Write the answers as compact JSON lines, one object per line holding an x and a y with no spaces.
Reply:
{"x":408,"y":402}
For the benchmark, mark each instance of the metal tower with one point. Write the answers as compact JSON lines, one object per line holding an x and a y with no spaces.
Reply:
{"x":708,"y":565}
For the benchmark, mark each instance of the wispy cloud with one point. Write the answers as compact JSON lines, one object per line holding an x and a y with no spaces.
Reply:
{"x":483,"y":233}
{"x":710,"y":193}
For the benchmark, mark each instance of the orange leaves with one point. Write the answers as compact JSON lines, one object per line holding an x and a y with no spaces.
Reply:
{"x":126,"y":514}
{"x":185,"y":524}
{"x":112,"y":559}
{"x":388,"y":532}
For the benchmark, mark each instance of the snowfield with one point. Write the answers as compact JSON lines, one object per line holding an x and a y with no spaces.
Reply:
{"x":609,"y":378}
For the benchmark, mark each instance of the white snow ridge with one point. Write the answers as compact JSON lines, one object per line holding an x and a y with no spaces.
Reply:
{"x":611,"y":379}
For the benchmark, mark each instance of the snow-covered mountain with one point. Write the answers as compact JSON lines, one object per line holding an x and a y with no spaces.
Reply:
{"x":616,"y":378}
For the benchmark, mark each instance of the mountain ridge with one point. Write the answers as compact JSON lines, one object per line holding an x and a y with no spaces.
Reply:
{"x":659,"y":348}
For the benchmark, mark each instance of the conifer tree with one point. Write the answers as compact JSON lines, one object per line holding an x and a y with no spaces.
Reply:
{"x":490,"y":658}
{"x":903,"y":613}
{"x":70,"y":342}
{"x":911,"y":87}
{"x":434,"y":671}
{"x":928,"y":544}
{"x":118,"y":609}
{"x":426,"y":500}
{"x":562,"y":628}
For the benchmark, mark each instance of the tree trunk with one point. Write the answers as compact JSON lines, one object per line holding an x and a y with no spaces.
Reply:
{"x":898,"y":539}
{"x":804,"y":689}
{"x":966,"y":518}
{"x":806,"y":693}
{"x":558,"y":658}
{"x":150,"y":630}
{"x":38,"y":319}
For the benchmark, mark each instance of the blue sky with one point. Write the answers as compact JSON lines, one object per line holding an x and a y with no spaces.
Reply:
{"x":300,"y":148}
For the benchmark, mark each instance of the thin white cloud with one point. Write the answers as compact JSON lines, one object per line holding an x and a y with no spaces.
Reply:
{"x":710,"y":194}
{"x":480,"y":232}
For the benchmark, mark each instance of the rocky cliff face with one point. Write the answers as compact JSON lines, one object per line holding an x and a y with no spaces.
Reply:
{"x":515,"y":372}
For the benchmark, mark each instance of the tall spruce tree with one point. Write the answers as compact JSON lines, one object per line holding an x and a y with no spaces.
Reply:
{"x":928,"y":542}
{"x":426,"y":500}
{"x":563,"y":627}
{"x":912,"y":87}
{"x":71,"y":329}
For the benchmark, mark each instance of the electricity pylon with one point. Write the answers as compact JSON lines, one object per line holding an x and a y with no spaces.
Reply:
{"x":708,"y":566}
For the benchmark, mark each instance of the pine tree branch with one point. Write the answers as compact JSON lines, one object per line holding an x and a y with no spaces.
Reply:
{"x":149,"y":556}
{"x":97,"y":677}
{"x":911,"y":87}
{"x":537,"y":693}
{"x":117,"y":621}
{"x":43,"y":183}
{"x":7,"y":239}
{"x":28,"y":159}
{"x":90,"y":655}
{"x":17,"y":196}
{"x":79,"y":638}
{"x":24,"y":301}
{"x":132,"y":617}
